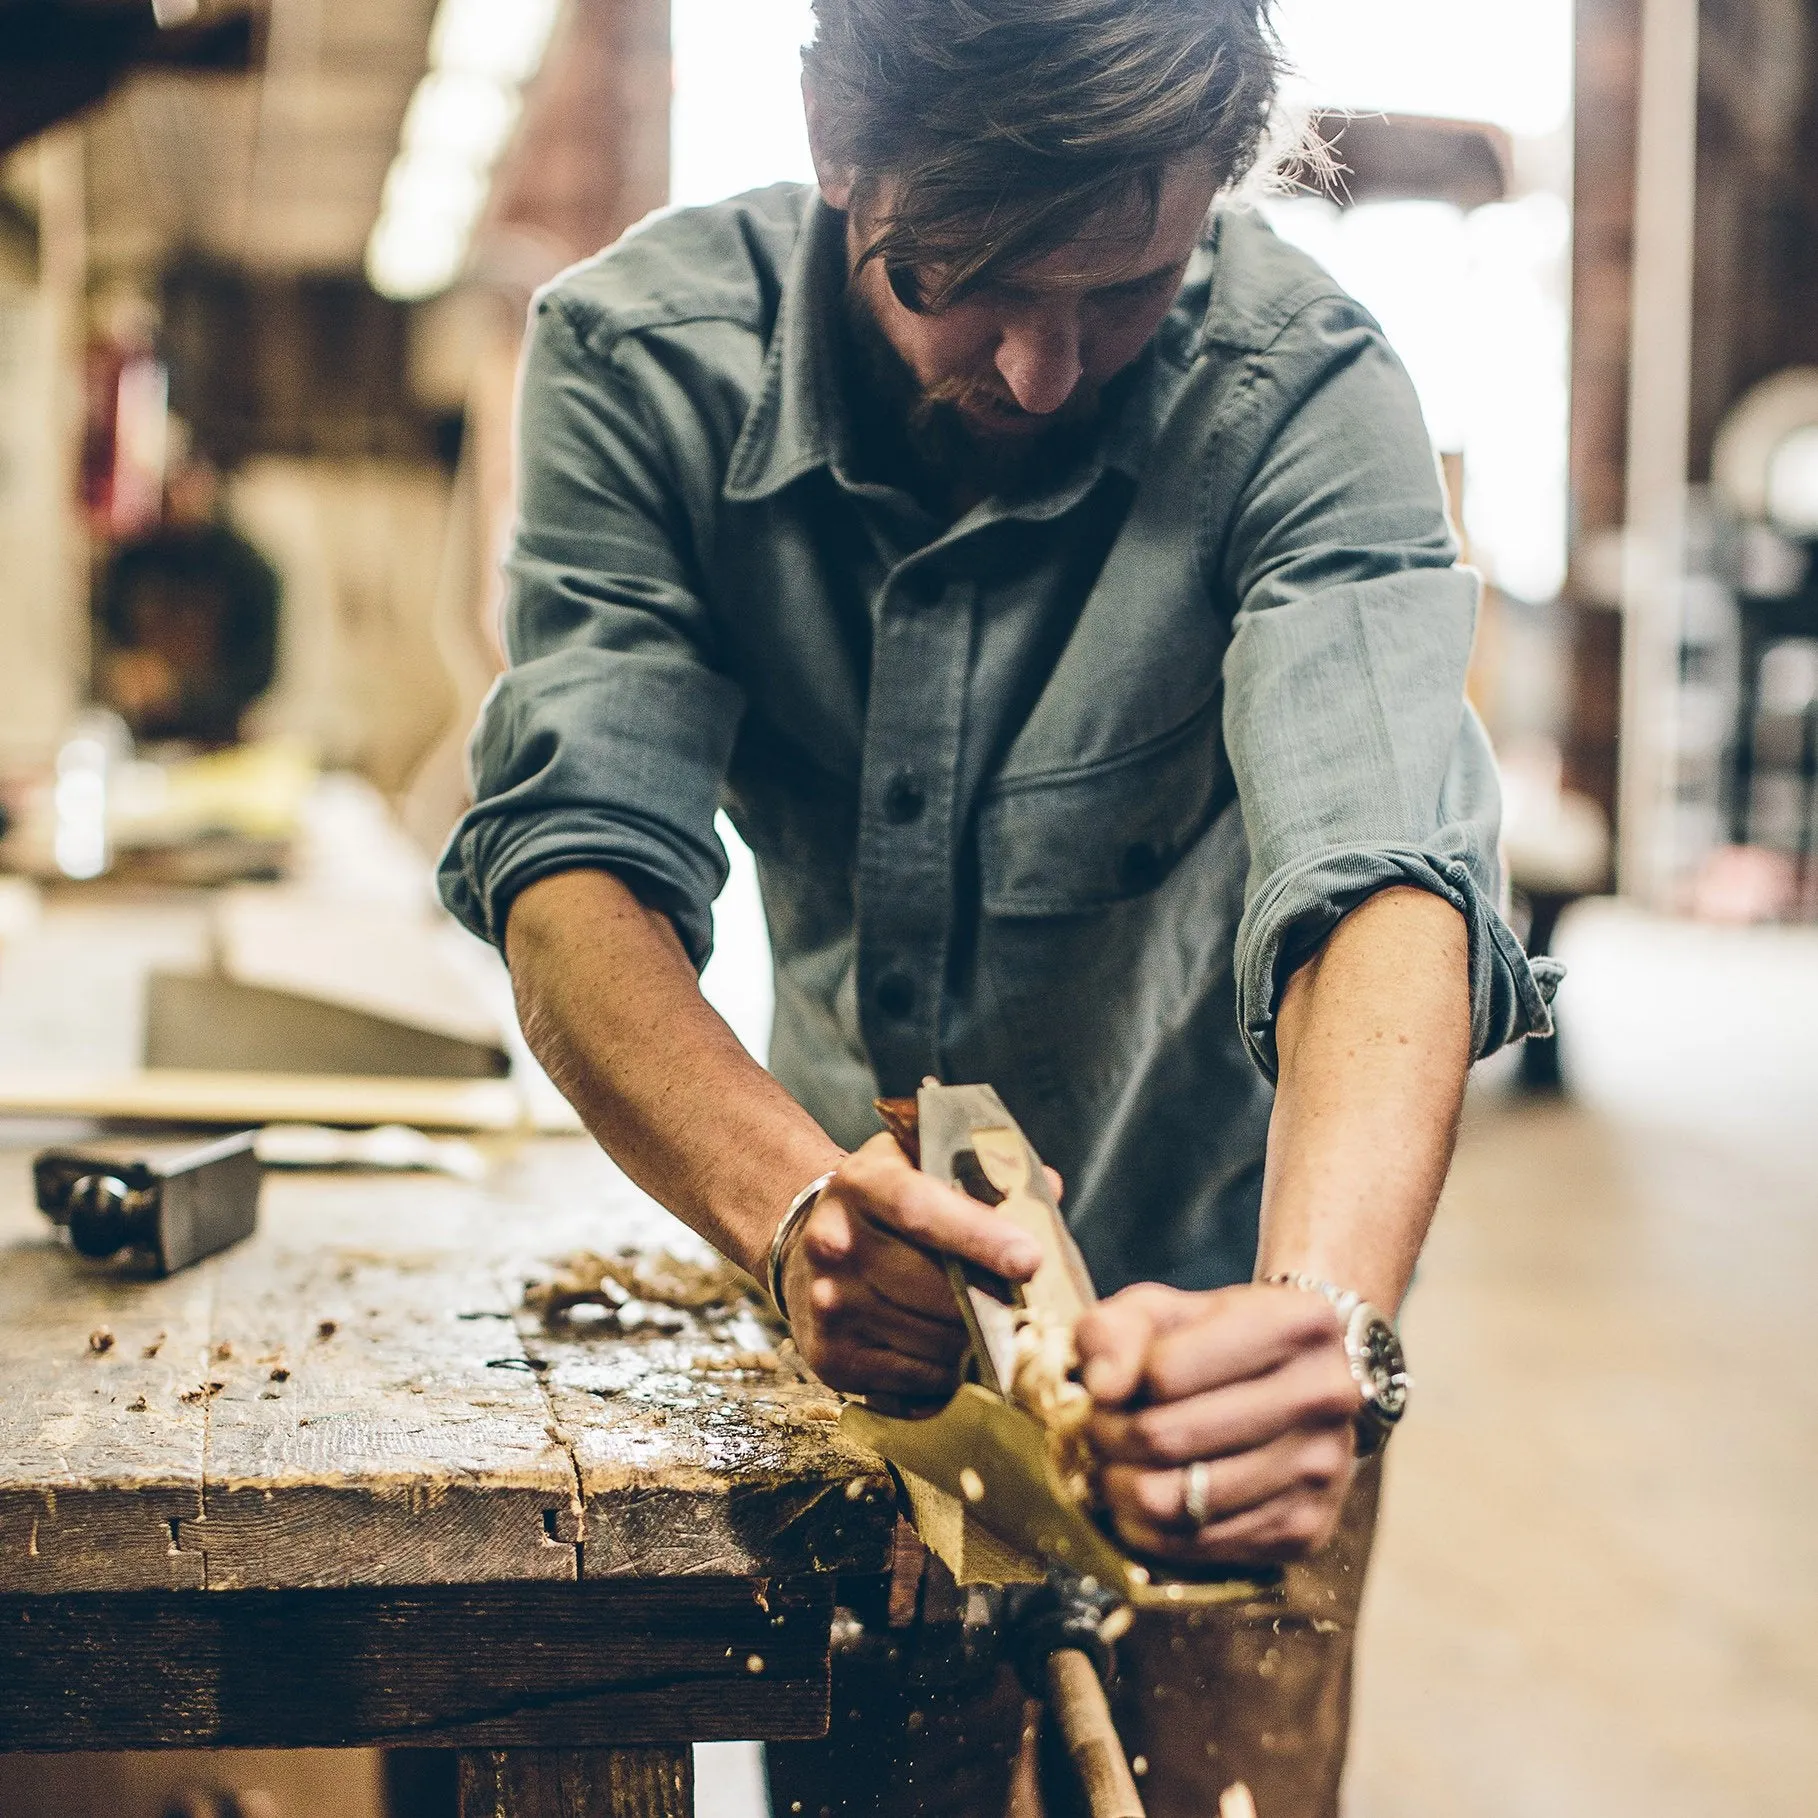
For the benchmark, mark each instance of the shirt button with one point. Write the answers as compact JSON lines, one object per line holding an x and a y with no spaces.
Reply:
{"x":896,"y":994}
{"x":1140,"y":867}
{"x":904,"y":799}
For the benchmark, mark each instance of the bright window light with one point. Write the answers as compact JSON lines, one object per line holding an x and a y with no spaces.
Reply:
{"x":737,"y":117}
{"x":1508,"y":62}
{"x":458,"y":122}
{"x":1793,"y":484}
{"x":1477,"y":305}
{"x":462,"y":118}
{"x":504,"y":39}
{"x":434,"y":189}
{"x":409,"y":256}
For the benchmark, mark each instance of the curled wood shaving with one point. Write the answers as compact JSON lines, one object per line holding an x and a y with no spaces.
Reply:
{"x":1044,"y":1385}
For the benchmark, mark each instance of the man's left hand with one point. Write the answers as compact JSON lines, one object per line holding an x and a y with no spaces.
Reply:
{"x":1254,"y":1381}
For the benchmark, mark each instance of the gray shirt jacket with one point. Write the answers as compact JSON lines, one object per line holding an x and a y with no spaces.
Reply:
{"x":1056,"y":796}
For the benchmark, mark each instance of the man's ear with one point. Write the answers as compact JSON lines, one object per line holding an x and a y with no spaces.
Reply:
{"x":836,"y":180}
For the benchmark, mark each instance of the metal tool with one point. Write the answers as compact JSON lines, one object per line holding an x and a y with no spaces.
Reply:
{"x":989,"y":1486}
{"x":987,"y":1494}
{"x":1059,"y":1636}
{"x":169,"y":1205}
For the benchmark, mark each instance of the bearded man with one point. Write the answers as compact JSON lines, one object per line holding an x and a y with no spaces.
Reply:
{"x":1046,"y":569}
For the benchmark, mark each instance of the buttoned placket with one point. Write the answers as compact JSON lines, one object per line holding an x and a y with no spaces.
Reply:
{"x":921,"y":653}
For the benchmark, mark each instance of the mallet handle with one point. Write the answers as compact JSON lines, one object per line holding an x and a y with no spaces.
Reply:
{"x":1078,"y":1703}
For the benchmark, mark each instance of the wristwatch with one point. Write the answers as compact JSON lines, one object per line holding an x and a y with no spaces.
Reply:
{"x":1373,"y":1348}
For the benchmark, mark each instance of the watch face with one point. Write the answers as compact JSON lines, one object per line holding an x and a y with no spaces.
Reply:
{"x":1378,"y":1363}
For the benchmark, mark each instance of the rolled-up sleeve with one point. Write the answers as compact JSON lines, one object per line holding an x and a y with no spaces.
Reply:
{"x":1359,"y":764}
{"x":604,"y":745}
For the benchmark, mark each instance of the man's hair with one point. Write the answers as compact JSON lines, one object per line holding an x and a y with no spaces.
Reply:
{"x":1009,"y":127}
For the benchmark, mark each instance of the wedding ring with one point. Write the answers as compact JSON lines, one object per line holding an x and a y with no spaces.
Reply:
{"x":1196,"y":1492}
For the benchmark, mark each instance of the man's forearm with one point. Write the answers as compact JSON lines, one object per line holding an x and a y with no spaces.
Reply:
{"x":611,"y":1006}
{"x":1374,"y":1038}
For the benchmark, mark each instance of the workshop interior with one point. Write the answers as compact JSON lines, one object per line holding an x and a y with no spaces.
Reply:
{"x":289,"y":1209}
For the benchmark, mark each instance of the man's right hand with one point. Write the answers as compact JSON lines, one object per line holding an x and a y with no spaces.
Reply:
{"x":870,"y":1303}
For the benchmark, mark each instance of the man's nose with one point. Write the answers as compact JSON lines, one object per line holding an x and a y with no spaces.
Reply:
{"x":1039,"y":360}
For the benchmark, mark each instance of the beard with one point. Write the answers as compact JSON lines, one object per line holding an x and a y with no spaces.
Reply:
{"x":937,"y":428}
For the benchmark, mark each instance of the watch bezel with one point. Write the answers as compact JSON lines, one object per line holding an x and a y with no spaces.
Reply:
{"x":1379,"y":1365}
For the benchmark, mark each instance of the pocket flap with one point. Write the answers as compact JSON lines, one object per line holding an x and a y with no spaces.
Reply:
{"x":1066,"y":841}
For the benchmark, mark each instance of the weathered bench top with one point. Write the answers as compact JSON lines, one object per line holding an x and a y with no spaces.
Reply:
{"x":374,"y":1391}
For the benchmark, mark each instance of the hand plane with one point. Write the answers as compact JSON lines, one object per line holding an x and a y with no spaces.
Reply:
{"x":168,"y":1204}
{"x":999,"y":1479}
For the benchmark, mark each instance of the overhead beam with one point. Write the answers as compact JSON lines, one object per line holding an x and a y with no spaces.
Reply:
{"x":63,"y":58}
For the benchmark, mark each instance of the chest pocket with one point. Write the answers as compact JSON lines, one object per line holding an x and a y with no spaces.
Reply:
{"x":1066,"y":841}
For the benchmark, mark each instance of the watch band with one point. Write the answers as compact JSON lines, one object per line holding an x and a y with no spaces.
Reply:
{"x":799,"y":1208}
{"x":1345,"y":1301}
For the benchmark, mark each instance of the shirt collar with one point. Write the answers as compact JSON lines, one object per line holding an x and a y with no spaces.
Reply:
{"x":797,"y":421}
{"x":792,"y":424}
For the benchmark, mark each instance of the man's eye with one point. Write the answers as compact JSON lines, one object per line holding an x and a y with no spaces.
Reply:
{"x":905,"y":286}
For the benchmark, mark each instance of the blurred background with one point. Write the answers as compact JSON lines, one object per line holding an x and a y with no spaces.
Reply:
{"x":263,"y":274}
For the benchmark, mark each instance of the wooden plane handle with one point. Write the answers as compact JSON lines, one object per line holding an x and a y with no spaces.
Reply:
{"x":902,"y":1118}
{"x":1077,"y":1700}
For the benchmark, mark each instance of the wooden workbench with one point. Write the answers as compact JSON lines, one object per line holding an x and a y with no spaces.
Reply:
{"x":340,"y":1485}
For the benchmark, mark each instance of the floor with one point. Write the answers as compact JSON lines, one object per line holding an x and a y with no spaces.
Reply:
{"x":1596,"y":1589}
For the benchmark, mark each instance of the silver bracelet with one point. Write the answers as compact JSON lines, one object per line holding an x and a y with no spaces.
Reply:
{"x":799,"y":1208}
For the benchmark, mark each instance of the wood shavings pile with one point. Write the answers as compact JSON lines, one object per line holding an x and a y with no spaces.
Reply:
{"x":628,"y":1286}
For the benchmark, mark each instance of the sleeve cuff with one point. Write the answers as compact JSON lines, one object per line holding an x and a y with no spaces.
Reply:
{"x":594,"y":761}
{"x":1302,"y":903}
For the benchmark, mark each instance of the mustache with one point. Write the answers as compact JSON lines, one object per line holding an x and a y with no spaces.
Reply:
{"x":983,"y":398}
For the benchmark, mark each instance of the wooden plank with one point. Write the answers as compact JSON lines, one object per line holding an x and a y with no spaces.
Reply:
{"x":610,"y":1664}
{"x":701,"y":1447}
{"x":372,"y":1401}
{"x":377,"y":1422}
{"x":186,"y":1095}
{"x":577,"y":1783}
{"x":103,"y":1413}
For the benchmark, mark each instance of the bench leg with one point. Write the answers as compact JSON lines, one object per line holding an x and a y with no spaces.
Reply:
{"x":577,"y":1783}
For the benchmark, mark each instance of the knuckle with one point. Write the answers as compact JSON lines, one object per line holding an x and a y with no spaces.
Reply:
{"x":855,"y":1176}
{"x":1338,"y":1401}
{"x":1094,"y":1330}
{"x":1303,"y":1527}
{"x":1156,"y":1435}
{"x":1319,"y":1469}
{"x":825,"y":1241}
{"x":1157,"y":1495}
{"x":910,"y":1217}
{"x":1316,"y":1317}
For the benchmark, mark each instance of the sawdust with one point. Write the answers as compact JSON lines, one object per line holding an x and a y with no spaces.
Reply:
{"x":735,"y":1363}
{"x":628,"y":1287}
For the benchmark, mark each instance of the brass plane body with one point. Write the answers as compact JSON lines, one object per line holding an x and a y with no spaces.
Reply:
{"x":993,"y":1477}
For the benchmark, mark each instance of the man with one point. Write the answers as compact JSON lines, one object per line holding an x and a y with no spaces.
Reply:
{"x":1053,"y":582}
{"x":186,"y":619}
